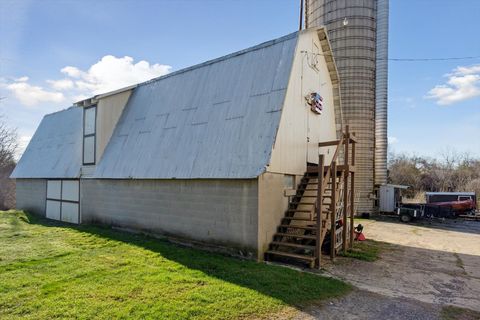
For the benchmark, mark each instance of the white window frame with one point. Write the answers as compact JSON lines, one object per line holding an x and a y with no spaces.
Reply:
{"x":88,"y":135}
{"x":61,"y":200}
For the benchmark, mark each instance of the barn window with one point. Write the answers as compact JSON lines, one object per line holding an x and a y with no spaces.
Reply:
{"x":89,"y":134}
{"x":289,"y":181}
{"x":63,"y":200}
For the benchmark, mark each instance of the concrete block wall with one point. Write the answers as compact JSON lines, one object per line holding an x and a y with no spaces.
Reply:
{"x":31,"y":195}
{"x":223,"y":212}
{"x":272,"y":204}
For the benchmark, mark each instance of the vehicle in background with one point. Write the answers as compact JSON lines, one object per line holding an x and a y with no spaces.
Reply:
{"x":439,"y":205}
{"x":459,"y":202}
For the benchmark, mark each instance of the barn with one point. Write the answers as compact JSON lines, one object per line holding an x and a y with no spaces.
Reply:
{"x":212,"y":153}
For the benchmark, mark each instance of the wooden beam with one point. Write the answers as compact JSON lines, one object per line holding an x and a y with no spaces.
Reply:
{"x":333,"y":213}
{"x":328,"y":143}
{"x":345,"y":193}
{"x":318,"y":247}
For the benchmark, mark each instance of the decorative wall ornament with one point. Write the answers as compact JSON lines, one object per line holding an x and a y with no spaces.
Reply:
{"x":315,"y":101}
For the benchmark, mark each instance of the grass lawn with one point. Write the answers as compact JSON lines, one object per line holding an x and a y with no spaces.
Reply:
{"x":49,"y":269}
{"x":368,"y":250}
{"x":455,"y":313}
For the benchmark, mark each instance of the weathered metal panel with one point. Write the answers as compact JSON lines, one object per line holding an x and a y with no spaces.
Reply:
{"x":218,"y":119}
{"x":109,"y":110}
{"x":55,"y":150}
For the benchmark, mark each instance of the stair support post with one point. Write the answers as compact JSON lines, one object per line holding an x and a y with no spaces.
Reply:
{"x":346,"y":173}
{"x":318,"y":246}
{"x":333,"y":211}
{"x":352,"y":197}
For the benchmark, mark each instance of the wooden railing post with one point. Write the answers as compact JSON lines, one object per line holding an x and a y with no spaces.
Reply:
{"x":345,"y":191}
{"x":318,"y":247}
{"x":333,"y":210}
{"x":352,"y":197}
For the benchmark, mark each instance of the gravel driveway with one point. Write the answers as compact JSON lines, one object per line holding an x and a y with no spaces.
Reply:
{"x":427,"y":266}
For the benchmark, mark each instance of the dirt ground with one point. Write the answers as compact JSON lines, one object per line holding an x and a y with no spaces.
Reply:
{"x":427,"y":266}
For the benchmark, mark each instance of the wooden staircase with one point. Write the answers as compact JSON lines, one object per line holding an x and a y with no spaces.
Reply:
{"x":323,"y":201}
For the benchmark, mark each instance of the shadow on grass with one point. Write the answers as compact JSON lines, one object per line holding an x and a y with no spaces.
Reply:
{"x":288,"y":285}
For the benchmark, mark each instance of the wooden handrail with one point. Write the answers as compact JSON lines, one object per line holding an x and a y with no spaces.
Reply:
{"x":325,"y":174}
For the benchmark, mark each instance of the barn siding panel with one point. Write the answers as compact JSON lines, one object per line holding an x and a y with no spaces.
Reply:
{"x":31,"y":195}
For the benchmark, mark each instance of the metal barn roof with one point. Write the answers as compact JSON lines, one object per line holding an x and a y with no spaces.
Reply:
{"x":55,"y":150}
{"x":214,"y":120}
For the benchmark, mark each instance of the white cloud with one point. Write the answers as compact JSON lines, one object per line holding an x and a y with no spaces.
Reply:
{"x":462,"y":84}
{"x":71,"y":72}
{"x":108,"y":74}
{"x":111,"y":73}
{"x":392,"y":140}
{"x":22,"y":145}
{"x":62,"y":84}
{"x":30,"y":95}
{"x":22,"y":79}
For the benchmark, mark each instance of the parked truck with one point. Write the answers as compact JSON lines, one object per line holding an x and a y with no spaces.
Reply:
{"x":440,"y":205}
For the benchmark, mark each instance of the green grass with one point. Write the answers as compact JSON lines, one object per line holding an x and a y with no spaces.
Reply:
{"x":51,"y":270}
{"x":368,"y":250}
{"x":455,"y":313}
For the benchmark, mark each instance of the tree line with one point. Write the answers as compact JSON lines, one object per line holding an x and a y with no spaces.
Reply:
{"x":451,"y":171}
{"x":8,"y":147}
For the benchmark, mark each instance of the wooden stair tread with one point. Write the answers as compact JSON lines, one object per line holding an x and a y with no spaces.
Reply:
{"x":291,"y":255}
{"x":313,"y":189}
{"x":282,"y":234}
{"x":306,"y":203}
{"x":298,"y":227}
{"x":299,"y":218}
{"x":293,"y":245}
{"x":299,"y":210}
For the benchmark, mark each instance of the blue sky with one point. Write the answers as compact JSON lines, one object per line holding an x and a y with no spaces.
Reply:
{"x":54,"y":52}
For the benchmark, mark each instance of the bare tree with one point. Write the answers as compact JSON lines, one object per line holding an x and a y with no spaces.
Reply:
{"x":453,"y":171}
{"x":8,"y":147}
{"x":8,"y":143}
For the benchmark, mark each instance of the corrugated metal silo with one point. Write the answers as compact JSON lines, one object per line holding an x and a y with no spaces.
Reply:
{"x":358,"y":32}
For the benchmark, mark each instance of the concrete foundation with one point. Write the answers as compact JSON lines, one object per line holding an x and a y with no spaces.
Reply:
{"x":241,"y":215}
{"x":222,"y":212}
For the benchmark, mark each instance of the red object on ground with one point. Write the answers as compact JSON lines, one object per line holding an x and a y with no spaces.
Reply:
{"x":360,"y":236}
